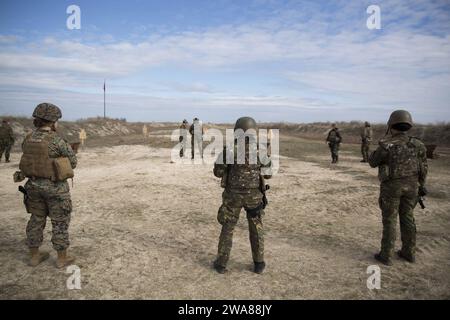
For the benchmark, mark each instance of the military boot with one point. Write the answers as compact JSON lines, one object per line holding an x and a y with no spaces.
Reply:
{"x":36,"y":257}
{"x":63,"y":259}
{"x":259,"y":267}
{"x":408,"y":257}
{"x":383,"y":260}
{"x":219,"y":268}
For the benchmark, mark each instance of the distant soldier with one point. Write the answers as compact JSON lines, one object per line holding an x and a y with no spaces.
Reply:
{"x":184,"y":129}
{"x":334,"y":140}
{"x":366,"y":138}
{"x":244,"y":188}
{"x":83,"y":137}
{"x":402,"y":171}
{"x":196,"y":130}
{"x":6,"y":139}
{"x":145,"y":132}
{"x":47,"y":161}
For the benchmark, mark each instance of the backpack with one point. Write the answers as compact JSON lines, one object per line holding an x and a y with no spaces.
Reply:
{"x":333,"y":137}
{"x":4,"y":133}
{"x":403,"y":160}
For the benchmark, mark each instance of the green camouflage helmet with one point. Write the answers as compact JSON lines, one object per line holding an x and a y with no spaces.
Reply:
{"x":245,"y":123}
{"x":400,"y":116}
{"x":48,"y":112}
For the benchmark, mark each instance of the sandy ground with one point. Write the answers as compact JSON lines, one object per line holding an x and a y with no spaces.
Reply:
{"x":145,"y":228}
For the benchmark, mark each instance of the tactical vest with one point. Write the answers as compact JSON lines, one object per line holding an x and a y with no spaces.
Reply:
{"x":35,"y":161}
{"x":366,"y":134}
{"x":332,"y":136}
{"x":4,"y":133}
{"x":243,"y":176}
{"x":403,"y":160}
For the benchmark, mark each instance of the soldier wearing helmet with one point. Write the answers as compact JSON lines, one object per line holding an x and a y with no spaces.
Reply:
{"x":366,"y":139}
{"x":197,"y":131}
{"x":334,"y":140}
{"x":243,"y":181}
{"x":47,"y":162}
{"x":184,"y":129}
{"x":402,"y":171}
{"x":6,"y":139}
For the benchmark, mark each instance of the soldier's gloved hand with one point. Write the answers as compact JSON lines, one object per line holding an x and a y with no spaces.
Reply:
{"x":423,"y":191}
{"x":18,"y":176}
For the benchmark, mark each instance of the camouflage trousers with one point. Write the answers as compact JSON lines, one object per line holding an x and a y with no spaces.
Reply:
{"x":48,"y":199}
{"x":228,"y":216}
{"x":334,"y":148}
{"x":398,"y":198}
{"x":5,"y":148}
{"x":199,"y":143}
{"x":365,"y":149}
{"x":183,"y":142}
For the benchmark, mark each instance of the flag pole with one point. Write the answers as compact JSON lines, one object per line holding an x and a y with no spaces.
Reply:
{"x":104,"y":99}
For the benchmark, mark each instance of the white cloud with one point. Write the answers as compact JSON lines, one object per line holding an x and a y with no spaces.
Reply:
{"x":407,"y":62}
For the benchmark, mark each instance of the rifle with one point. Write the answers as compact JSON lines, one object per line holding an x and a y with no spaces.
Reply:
{"x":264,"y":187}
{"x":23,"y":190}
{"x":421,"y":200}
{"x":25,"y":195}
{"x":421,"y":196}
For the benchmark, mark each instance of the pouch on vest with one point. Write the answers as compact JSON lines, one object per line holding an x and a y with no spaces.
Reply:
{"x":332,"y":137}
{"x":35,"y":161}
{"x":63,"y":169}
{"x":403,"y":161}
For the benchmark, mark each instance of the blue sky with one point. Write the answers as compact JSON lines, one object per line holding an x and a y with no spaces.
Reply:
{"x":296,"y":61}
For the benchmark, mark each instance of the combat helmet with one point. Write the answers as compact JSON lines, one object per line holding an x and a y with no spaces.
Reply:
{"x":400,"y":117}
{"x":48,"y":112}
{"x":245,"y":123}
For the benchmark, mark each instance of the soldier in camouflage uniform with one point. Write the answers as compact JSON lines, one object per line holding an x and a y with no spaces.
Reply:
{"x":196,"y":130}
{"x":45,"y":196}
{"x":366,"y":138}
{"x":402,"y":170}
{"x":243,"y":181}
{"x":6,"y":140}
{"x":334,"y":140}
{"x":184,"y":128}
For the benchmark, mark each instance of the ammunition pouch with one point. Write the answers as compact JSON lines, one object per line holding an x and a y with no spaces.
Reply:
{"x":36,"y":163}
{"x":255,"y":212}
{"x":63,"y":169}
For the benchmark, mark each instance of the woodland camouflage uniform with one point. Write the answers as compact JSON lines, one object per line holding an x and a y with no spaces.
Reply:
{"x":242,"y":183}
{"x":366,"y":138}
{"x":184,"y":128}
{"x":197,"y":131}
{"x":44,"y":196}
{"x":334,"y":140}
{"x":402,"y":170}
{"x":6,"y":140}
{"x":49,"y":198}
